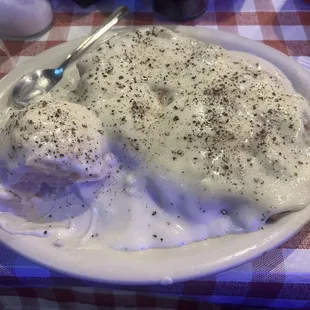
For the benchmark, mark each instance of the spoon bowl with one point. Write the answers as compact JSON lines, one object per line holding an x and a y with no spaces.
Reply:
{"x":35,"y":84}
{"x":42,"y":81}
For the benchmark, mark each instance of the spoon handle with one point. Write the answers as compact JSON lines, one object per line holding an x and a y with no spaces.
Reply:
{"x":85,"y":45}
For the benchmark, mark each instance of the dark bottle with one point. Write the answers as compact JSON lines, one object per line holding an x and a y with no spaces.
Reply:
{"x":180,"y":10}
{"x":85,"y":3}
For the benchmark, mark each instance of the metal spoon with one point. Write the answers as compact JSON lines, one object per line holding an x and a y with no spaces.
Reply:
{"x":42,"y":81}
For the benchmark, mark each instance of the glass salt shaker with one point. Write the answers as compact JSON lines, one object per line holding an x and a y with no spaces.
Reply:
{"x":25,"y":19}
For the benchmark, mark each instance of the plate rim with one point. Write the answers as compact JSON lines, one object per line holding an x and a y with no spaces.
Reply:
{"x":192,"y":272}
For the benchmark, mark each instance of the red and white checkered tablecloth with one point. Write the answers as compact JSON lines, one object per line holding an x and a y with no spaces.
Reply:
{"x":280,"y":278}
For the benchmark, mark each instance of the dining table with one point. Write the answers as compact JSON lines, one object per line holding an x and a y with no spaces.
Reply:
{"x":277,"y":279}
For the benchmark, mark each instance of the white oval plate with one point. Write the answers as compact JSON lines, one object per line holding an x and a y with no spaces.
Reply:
{"x":163,"y":266}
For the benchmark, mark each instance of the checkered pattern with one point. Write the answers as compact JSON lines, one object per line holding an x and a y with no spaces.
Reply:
{"x":280,"y":278}
{"x":77,"y":298}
